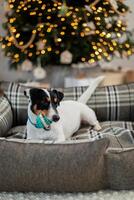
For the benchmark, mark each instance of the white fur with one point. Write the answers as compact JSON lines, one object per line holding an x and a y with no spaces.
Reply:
{"x":71,"y":113}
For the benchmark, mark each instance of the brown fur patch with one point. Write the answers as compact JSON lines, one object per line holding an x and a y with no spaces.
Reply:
{"x":37,"y":112}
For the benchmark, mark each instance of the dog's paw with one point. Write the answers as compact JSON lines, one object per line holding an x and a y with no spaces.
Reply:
{"x":97,"y":127}
{"x":61,"y":139}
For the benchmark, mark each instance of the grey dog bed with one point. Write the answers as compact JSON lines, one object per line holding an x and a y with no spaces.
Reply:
{"x":76,"y":165}
{"x":31,"y":166}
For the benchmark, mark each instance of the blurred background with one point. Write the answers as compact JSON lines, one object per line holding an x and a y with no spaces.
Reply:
{"x":117,"y":71}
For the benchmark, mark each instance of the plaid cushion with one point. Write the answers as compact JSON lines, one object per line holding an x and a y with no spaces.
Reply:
{"x":120,"y":134}
{"x":17,"y":132}
{"x":111,"y":103}
{"x":6,"y":116}
{"x":19,"y":103}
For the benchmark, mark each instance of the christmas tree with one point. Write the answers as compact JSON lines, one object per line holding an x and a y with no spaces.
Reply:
{"x":65,"y":31}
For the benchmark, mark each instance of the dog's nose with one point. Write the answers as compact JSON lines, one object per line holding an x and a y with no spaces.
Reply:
{"x":55,"y":118}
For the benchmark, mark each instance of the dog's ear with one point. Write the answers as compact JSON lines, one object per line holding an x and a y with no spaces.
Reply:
{"x":35,"y":93}
{"x":26,"y":93}
{"x":58,"y":94}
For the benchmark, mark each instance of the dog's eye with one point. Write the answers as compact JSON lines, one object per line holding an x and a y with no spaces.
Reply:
{"x":55,"y":100}
{"x":46,"y":103}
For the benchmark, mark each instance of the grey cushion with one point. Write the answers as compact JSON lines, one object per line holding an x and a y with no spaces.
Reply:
{"x":6,"y":116}
{"x":120,"y":169}
{"x":39,"y":167}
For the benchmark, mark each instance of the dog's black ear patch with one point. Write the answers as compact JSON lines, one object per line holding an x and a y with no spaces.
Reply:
{"x":25,"y":93}
{"x":58,"y":94}
{"x":40,"y":98}
{"x":36,"y":94}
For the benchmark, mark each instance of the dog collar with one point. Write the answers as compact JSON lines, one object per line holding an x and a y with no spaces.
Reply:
{"x":41,"y":122}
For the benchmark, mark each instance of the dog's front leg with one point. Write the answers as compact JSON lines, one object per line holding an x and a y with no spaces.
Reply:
{"x":58,"y":130}
{"x":61,"y":136}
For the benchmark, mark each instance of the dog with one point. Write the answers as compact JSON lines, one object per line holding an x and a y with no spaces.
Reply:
{"x":59,"y":119}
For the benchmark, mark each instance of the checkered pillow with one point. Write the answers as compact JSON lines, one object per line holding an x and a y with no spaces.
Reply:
{"x":19,"y":103}
{"x":111,"y":103}
{"x":6,"y":116}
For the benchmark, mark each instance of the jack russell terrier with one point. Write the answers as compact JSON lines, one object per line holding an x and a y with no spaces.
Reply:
{"x":49,"y":118}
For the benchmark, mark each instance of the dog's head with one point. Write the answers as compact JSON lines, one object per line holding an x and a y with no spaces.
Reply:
{"x":45,"y":101}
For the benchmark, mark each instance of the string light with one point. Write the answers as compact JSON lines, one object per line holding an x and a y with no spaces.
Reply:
{"x":59,"y":39}
{"x":49,"y":29}
{"x":111,"y":48}
{"x":12,"y":20}
{"x":31,"y":46}
{"x":17,"y":35}
{"x":49,"y":49}
{"x":73,"y":33}
{"x":9,"y":44}
{"x":114,"y":43}
{"x":94,"y":47}
{"x":92,"y":55}
{"x":62,"y":19}
{"x":48,"y":17}
{"x":100,"y":50}
{"x":37,"y":53}
{"x":105,"y":54}
{"x":62,"y":33}
{"x":64,"y":27}
{"x":108,"y":35}
{"x":123,"y":28}
{"x":99,"y":57}
{"x":83,"y":59}
{"x":49,"y":10}
{"x":88,"y":14}
{"x":129,"y":52}
{"x":10,"y":39}
{"x":25,"y":8}
{"x":127,"y":45}
{"x":96,"y":53}
{"x":21,"y":43}
{"x":97,"y":31}
{"x":13,"y":29}
{"x":57,"y":51}
{"x":30,"y":54}
{"x":118,"y":35}
{"x":102,"y":34}
{"x":43,"y":51}
{"x":11,"y":6}
{"x":16,"y":56}
{"x":43,"y":7}
{"x":32,"y":13}
{"x":34,"y":31}
{"x":109,"y":58}
{"x":91,"y":60}
{"x":82,"y":34}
